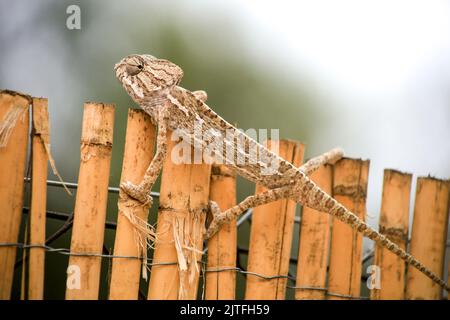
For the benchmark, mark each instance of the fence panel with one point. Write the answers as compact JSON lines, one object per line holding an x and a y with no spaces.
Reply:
{"x":184,"y":194}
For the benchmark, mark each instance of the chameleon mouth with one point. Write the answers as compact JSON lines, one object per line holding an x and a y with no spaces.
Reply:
{"x":119,"y":70}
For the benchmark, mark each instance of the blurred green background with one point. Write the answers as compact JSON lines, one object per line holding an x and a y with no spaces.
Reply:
{"x":372,"y":77}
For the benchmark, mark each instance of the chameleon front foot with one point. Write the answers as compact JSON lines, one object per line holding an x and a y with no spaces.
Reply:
{"x":217,"y":219}
{"x":137,"y":192}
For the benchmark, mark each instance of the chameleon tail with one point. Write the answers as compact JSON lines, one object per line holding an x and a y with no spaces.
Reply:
{"x":330,"y":157}
{"x":314,"y":197}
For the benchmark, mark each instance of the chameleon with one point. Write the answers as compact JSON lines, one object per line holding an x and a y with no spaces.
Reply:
{"x":153,"y":84}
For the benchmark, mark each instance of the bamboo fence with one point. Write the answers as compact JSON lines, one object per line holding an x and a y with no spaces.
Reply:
{"x":329,"y":262}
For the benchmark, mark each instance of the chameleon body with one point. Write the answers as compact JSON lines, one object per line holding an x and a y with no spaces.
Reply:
{"x":154,"y":85}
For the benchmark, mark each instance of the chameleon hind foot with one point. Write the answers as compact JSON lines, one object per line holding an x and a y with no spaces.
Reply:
{"x":137,"y":192}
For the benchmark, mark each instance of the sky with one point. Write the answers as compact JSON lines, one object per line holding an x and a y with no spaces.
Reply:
{"x":384,"y":65}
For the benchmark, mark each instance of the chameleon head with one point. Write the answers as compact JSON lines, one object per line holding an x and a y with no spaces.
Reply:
{"x":145,"y":77}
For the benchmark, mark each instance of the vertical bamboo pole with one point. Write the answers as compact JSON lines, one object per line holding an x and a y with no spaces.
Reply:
{"x":222,"y":247}
{"x":394,"y":219}
{"x":13,"y":114}
{"x":90,"y":206}
{"x":184,"y":195}
{"x":428,"y":236}
{"x":349,"y":188}
{"x":41,"y":128}
{"x":314,"y":243}
{"x":139,"y":149}
{"x":271,"y":237}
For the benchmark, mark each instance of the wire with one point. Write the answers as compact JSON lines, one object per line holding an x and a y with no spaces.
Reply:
{"x":73,"y":185}
{"x":244,"y":217}
{"x":65,"y":251}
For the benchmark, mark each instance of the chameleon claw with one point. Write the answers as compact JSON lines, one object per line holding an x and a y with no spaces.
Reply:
{"x":137,"y":192}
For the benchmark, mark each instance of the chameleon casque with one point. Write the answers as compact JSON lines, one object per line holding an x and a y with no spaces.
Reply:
{"x":153,"y":84}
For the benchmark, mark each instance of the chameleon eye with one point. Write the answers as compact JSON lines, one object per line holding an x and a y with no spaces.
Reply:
{"x":133,"y":70}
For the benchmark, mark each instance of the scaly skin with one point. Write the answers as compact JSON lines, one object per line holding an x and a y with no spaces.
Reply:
{"x":153,"y":84}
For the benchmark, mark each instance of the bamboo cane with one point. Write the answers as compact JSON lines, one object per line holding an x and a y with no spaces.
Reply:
{"x":90,"y":206}
{"x":271,"y":237}
{"x":222,"y":247}
{"x":428,"y":236}
{"x":394,"y":220}
{"x":38,"y":199}
{"x":314,"y":244}
{"x":14,"y":129}
{"x":350,"y":189}
{"x":139,"y":148}
{"x":181,"y":220}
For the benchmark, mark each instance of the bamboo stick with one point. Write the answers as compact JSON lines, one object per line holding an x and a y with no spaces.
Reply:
{"x":14,"y":129}
{"x":41,"y":127}
{"x":349,"y":188}
{"x":314,"y":243}
{"x":394,"y":220}
{"x":428,"y":236}
{"x":271,"y":237}
{"x":184,"y":196}
{"x":222,"y":247}
{"x":139,"y":149}
{"x":90,"y":206}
